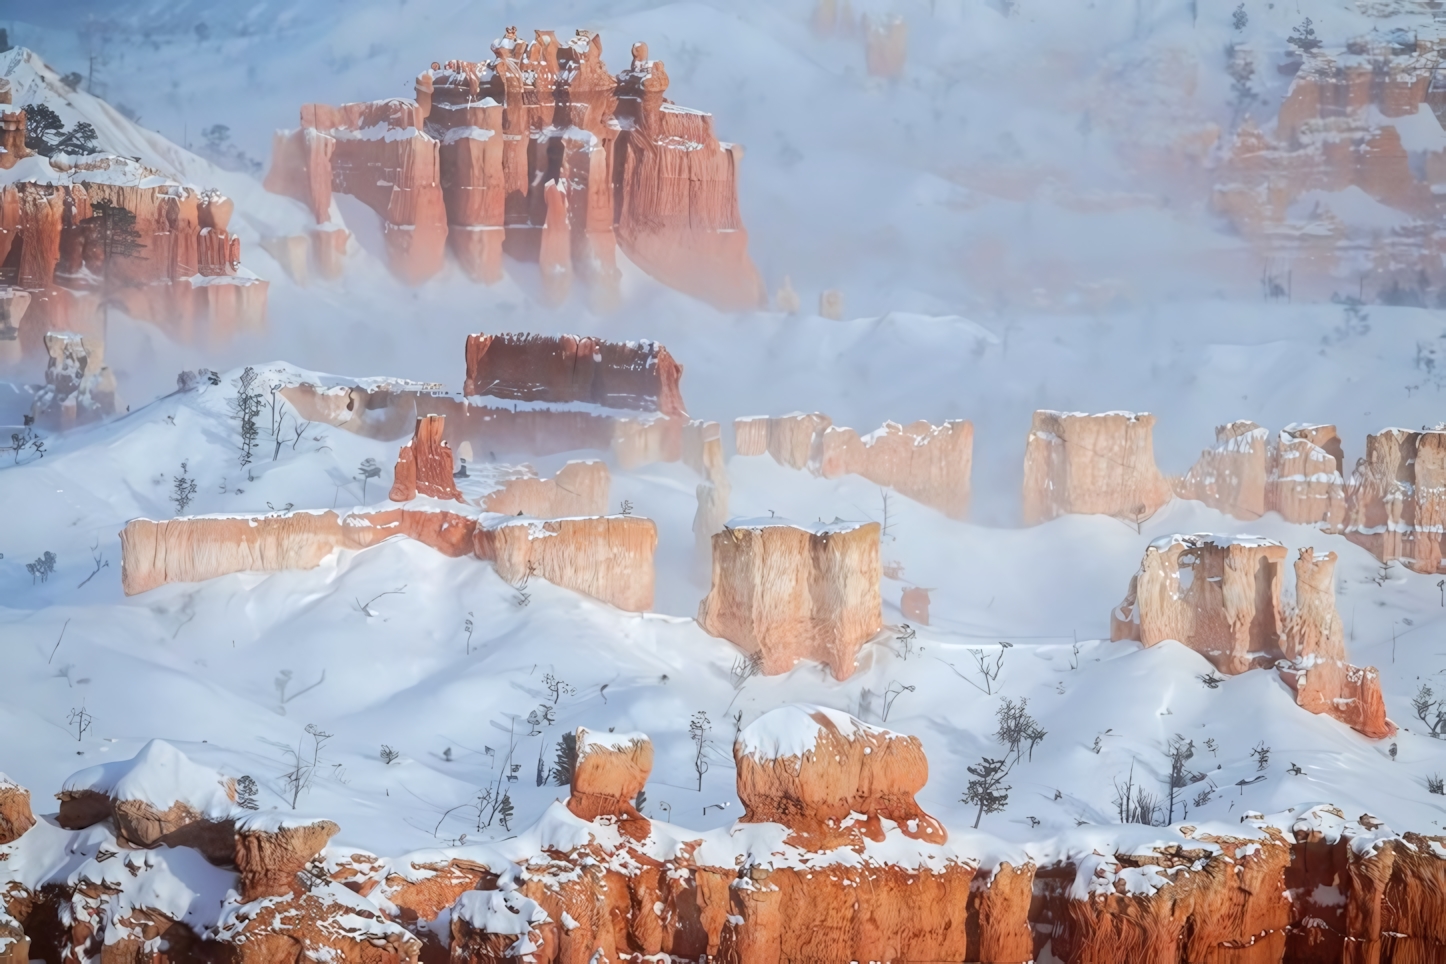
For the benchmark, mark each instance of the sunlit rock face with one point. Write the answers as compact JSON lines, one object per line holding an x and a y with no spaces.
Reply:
{"x":542,"y":153}
{"x":635,"y":375}
{"x":607,"y":557}
{"x":58,"y":243}
{"x":1092,"y":464}
{"x":787,"y":592}
{"x":1396,"y":501}
{"x":1249,"y":472}
{"x":425,"y":465}
{"x":1221,"y":596}
{"x":931,"y":464}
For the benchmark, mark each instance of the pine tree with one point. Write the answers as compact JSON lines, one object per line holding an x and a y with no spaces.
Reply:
{"x":504,"y":812}
{"x":566,"y":761}
{"x":988,"y":789}
{"x":1303,"y":37}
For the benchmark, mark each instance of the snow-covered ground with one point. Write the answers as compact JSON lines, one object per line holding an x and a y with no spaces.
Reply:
{"x":869,"y":186}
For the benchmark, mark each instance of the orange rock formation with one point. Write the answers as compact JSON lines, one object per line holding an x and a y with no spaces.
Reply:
{"x":609,"y":557}
{"x":15,"y":814}
{"x":51,"y":245}
{"x":1297,"y":473}
{"x":928,"y":463}
{"x":1100,"y":464}
{"x":578,"y":489}
{"x":13,"y":302}
{"x":544,"y":154}
{"x":609,"y":773}
{"x":637,"y":375}
{"x":424,"y":466}
{"x":1221,"y":597}
{"x":788,"y":592}
{"x":1396,"y":502}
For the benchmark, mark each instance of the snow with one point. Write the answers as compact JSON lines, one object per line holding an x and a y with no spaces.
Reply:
{"x":792,"y":731}
{"x":160,"y":775}
{"x":587,"y":740}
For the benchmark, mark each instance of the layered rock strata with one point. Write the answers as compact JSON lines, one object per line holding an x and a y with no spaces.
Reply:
{"x":1297,"y":473}
{"x":931,"y":464}
{"x":542,"y":153}
{"x":1092,"y":464}
{"x":79,"y":388}
{"x":578,"y":489}
{"x":424,"y":465}
{"x":15,"y":814}
{"x":608,"y":557}
{"x":1221,"y":596}
{"x":1396,"y":502}
{"x":186,"y":273}
{"x":637,"y":375}
{"x":787,"y":592}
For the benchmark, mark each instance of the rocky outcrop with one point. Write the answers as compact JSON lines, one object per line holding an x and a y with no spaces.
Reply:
{"x":610,"y":772}
{"x":424,"y":465}
{"x":270,"y":853}
{"x":1297,"y":473}
{"x":609,"y":557}
{"x":928,"y":463}
{"x":637,"y":375}
{"x":205,"y":547}
{"x":79,"y":388}
{"x":1093,"y":464}
{"x":15,"y":814}
{"x":186,"y":274}
{"x":1221,"y":596}
{"x":1396,"y":501}
{"x":541,"y":153}
{"x":13,"y":302}
{"x":578,"y":489}
{"x":788,"y":592}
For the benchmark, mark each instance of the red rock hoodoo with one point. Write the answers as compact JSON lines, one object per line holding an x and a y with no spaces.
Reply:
{"x":1221,"y":596}
{"x":542,"y":153}
{"x":931,"y":464}
{"x":1396,"y":502}
{"x":1098,"y":464}
{"x":425,"y":466}
{"x":788,"y":592}
{"x":608,"y":557}
{"x":15,"y":814}
{"x":1297,"y":473}
{"x":560,"y":369}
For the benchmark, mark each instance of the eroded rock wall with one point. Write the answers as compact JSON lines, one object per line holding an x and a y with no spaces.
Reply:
{"x":637,"y":375}
{"x":578,"y":489}
{"x":1093,"y":464}
{"x":607,"y":557}
{"x":1396,"y":501}
{"x":425,"y":465}
{"x":1296,"y":473}
{"x":788,"y":592}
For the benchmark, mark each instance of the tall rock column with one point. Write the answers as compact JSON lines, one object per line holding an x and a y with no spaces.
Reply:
{"x":425,"y":466}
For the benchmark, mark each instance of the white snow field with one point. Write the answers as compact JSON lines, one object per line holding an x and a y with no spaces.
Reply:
{"x":1138,"y":303}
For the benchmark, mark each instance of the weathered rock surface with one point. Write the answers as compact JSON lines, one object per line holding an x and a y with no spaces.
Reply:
{"x":544,"y":154}
{"x":1094,"y":464}
{"x":578,"y":489}
{"x":608,"y":557}
{"x":424,"y":465}
{"x":928,"y":463}
{"x":788,"y":592}
{"x":1396,"y":501}
{"x":271,"y":853}
{"x":610,"y":771}
{"x":190,"y":274}
{"x":15,"y":814}
{"x":13,"y":302}
{"x":914,"y":604}
{"x":79,"y":388}
{"x":199,"y":548}
{"x":1221,"y":596}
{"x":703,"y":453}
{"x":637,"y":375}
{"x":1297,"y":473}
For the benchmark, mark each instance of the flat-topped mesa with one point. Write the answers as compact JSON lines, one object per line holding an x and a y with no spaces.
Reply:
{"x":1221,"y":596}
{"x":607,"y":557}
{"x":639,"y":376}
{"x":1248,"y":473}
{"x":154,"y":553}
{"x":158,"y":797}
{"x":928,"y":463}
{"x":424,"y":465}
{"x":79,"y":388}
{"x":787,"y":592}
{"x":609,"y":772}
{"x":1093,"y":464}
{"x":1396,"y":500}
{"x":543,"y":153}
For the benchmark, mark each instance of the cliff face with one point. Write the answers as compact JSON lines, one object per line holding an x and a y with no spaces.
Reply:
{"x":578,"y":489}
{"x":1396,"y":502}
{"x":542,"y":153}
{"x":637,"y":375}
{"x":194,"y":549}
{"x":187,"y":274}
{"x":424,"y":466}
{"x":928,"y":463}
{"x":787,"y":593}
{"x":609,"y":558}
{"x":609,"y":774}
{"x":79,"y":388}
{"x":1221,"y":597}
{"x":1102,"y":464}
{"x":1248,"y":473}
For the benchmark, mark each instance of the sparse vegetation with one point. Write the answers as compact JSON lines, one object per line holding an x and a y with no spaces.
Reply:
{"x":565,"y":761}
{"x":1430,"y":710}
{"x":1262,"y":755}
{"x":1135,"y":804}
{"x":389,"y":755}
{"x":246,"y":791}
{"x":1303,"y":37}
{"x":245,"y":407}
{"x":80,"y":720}
{"x":45,"y":132}
{"x":299,"y":775}
{"x":183,"y":489}
{"x":698,"y":729}
{"x":1181,"y":752}
{"x":1435,"y":784}
{"x":41,"y":568}
{"x":1017,"y":728}
{"x":894,"y":690}
{"x":987,"y":790}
